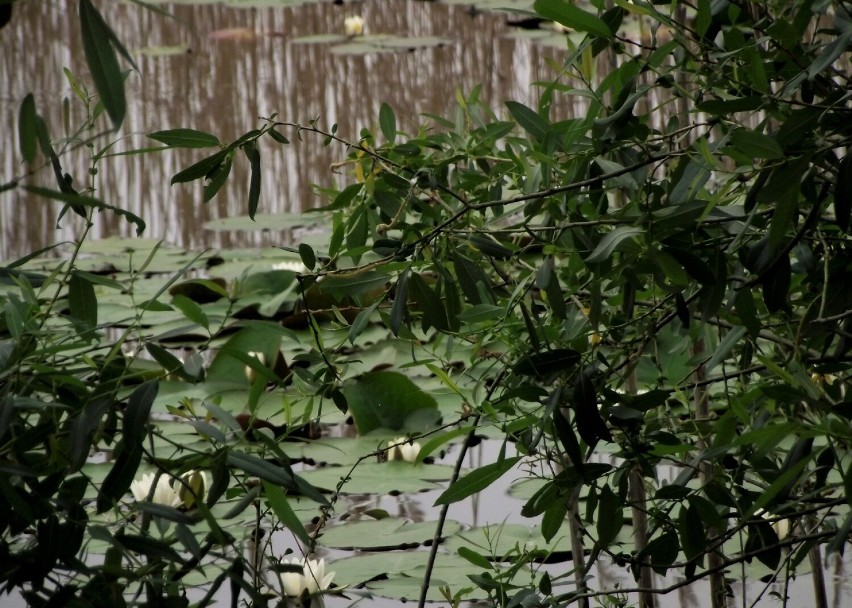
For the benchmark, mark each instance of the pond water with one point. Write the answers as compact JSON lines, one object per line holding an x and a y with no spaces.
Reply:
{"x":217,"y":68}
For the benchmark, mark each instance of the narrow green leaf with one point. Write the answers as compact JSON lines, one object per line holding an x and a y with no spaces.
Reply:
{"x":755,"y":145}
{"x":138,"y":412}
{"x":387,"y":122}
{"x":27,"y":137}
{"x":102,"y":61}
{"x":185,"y":138}
{"x":277,"y":136}
{"x":611,"y":241}
{"x":284,"y":512}
{"x":530,"y":120}
{"x":843,"y":193}
{"x":203,"y":168}
{"x":82,"y":303}
{"x":191,"y":310}
{"x":480,"y":561}
{"x":217,"y":179}
{"x":476,"y":481}
{"x":254,"y":183}
{"x":610,"y":517}
{"x":361,"y":321}
{"x":399,"y":308}
{"x":571,"y":16}
{"x":434,"y":313}
{"x":88,"y":201}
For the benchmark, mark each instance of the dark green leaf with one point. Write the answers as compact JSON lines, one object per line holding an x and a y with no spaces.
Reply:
{"x":691,"y":530}
{"x":309,"y":258}
{"x":553,"y":519}
{"x":82,"y":303}
{"x":27,"y":137}
{"x":218,"y":178}
{"x":755,"y":145}
{"x":843,"y":193}
{"x":529,"y":119}
{"x":88,"y":201}
{"x":139,"y":411}
{"x":284,"y":512}
{"x":610,"y":516}
{"x":491,"y":248}
{"x":277,"y":136}
{"x":590,"y":425}
{"x":191,"y":310}
{"x":102,"y":61}
{"x":203,"y":168}
{"x":434,"y":313}
{"x":148,"y":546}
{"x":544,"y":364}
{"x":569,"y":15}
{"x":387,"y":122}
{"x":120,"y":476}
{"x":185,"y":138}
{"x":611,"y":241}
{"x":254,"y":183}
{"x":476,"y":481}
{"x":399,"y":308}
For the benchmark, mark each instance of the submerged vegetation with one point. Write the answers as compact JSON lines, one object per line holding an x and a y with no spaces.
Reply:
{"x":645,"y":308}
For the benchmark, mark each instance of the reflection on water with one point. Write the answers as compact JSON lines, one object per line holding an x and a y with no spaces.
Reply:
{"x":222,"y":86}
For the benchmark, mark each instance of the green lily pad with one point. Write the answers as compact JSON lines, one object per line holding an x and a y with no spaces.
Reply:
{"x":501,"y":542}
{"x":381,"y":477}
{"x":383,"y":534}
{"x":265,"y":221}
{"x":399,"y":574}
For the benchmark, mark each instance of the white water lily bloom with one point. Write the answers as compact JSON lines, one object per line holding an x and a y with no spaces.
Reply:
{"x":403,"y":449}
{"x":193,"y":488}
{"x":163,"y":494}
{"x":251,"y":375}
{"x":292,"y":265}
{"x":353,"y":25}
{"x":781,"y":526}
{"x":312,"y":578}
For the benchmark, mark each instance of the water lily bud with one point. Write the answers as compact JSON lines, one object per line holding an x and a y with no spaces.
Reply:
{"x":312,"y":578}
{"x":162,"y":494}
{"x":251,"y":375}
{"x":353,"y":25}
{"x":193,"y":489}
{"x":403,"y":449}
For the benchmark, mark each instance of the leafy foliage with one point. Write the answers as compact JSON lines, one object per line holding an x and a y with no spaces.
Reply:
{"x":664,"y":276}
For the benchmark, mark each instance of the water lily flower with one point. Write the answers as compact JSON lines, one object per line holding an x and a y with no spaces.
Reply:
{"x":353,"y":25}
{"x":192,"y":488}
{"x":403,"y":449}
{"x":163,"y":494}
{"x":312,"y":579}
{"x":251,"y":375}
{"x":781,"y":526}
{"x":292,"y":265}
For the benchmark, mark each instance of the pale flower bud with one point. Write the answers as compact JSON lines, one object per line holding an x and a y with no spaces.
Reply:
{"x":251,"y":375}
{"x":353,"y":25}
{"x":403,"y":449}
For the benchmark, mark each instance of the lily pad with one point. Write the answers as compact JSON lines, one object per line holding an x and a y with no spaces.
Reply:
{"x":381,"y":477}
{"x":265,"y":221}
{"x":399,"y":574}
{"x":384,"y":534}
{"x":502,"y":542}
